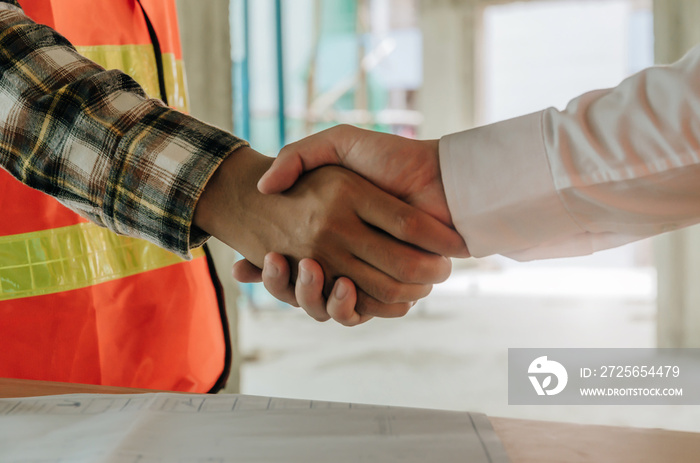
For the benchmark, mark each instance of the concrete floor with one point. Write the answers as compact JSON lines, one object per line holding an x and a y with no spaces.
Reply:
{"x":450,"y":352}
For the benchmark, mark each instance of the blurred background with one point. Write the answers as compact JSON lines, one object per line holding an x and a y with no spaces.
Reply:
{"x":274,"y":71}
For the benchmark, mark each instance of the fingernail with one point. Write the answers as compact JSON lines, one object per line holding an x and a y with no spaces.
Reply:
{"x":271,"y":270}
{"x":341,"y":290}
{"x":304,"y":275}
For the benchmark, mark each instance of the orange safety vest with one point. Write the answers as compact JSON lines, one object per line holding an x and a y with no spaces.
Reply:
{"x":79,"y":303}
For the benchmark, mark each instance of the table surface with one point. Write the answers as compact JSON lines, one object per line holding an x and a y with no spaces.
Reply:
{"x":525,"y":441}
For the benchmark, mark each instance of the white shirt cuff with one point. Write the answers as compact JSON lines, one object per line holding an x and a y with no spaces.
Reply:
{"x":500,"y":191}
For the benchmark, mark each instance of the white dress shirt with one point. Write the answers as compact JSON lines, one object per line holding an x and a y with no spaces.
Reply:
{"x":615,"y":166}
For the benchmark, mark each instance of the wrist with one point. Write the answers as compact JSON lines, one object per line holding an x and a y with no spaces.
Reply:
{"x":230,"y":205}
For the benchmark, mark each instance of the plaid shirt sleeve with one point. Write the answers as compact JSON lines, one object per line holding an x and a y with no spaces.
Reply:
{"x":94,"y":140}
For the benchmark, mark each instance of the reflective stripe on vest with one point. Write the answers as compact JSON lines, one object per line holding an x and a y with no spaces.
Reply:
{"x":77,"y":302}
{"x":73,"y":257}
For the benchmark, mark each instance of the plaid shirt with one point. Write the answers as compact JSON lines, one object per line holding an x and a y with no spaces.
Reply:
{"x":95,"y":141}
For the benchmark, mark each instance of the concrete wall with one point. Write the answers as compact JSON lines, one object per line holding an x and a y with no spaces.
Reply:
{"x":206,"y":48}
{"x":677,"y":254}
{"x":447,"y":98}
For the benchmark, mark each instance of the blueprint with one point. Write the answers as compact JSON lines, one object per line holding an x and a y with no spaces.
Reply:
{"x":165,"y":427}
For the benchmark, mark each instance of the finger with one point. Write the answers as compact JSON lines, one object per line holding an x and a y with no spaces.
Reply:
{"x":245,"y":272}
{"x":292,"y":161}
{"x":402,"y":271}
{"x":309,"y":286}
{"x":368,"y":306}
{"x":411,"y":225}
{"x":341,"y":304}
{"x":309,"y":289}
{"x":403,"y":262}
{"x":275,"y":277}
{"x":382,"y":286}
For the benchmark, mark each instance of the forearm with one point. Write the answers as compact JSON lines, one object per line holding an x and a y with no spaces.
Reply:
{"x":94,"y":140}
{"x":615,"y":166}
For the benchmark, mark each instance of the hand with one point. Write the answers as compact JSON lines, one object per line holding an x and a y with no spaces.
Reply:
{"x":349,"y":226}
{"x":341,"y":303}
{"x":409,"y":169}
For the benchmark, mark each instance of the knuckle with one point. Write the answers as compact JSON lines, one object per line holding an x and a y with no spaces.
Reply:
{"x":290,"y":148}
{"x":444,"y":270}
{"x":344,"y":185}
{"x":285,"y":151}
{"x":426,"y":291}
{"x":407,"y":223}
{"x":338,"y":130}
{"x":402,"y":309}
{"x":365,"y":305}
{"x":426,"y":269}
{"x":390,"y":293}
{"x":323,"y":231}
{"x":368,"y":306}
{"x":346,"y":320}
{"x":318,"y":225}
{"x":337,"y":190}
{"x":418,"y":267}
{"x":319,"y":317}
{"x":410,"y":271}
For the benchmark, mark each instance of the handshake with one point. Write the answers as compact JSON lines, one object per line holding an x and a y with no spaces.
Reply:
{"x":348,"y":243}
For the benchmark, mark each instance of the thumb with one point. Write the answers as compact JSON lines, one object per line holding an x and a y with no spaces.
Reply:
{"x":295,"y":159}
{"x":284,"y":171}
